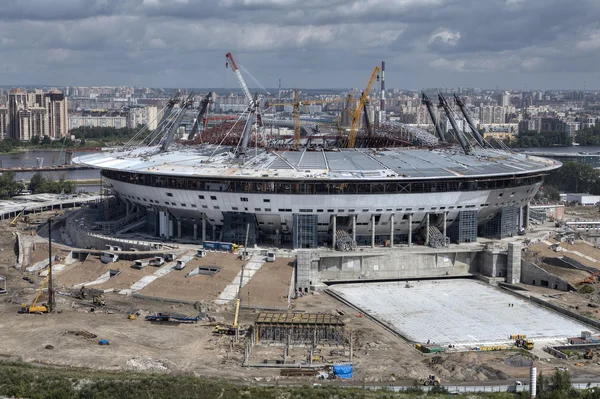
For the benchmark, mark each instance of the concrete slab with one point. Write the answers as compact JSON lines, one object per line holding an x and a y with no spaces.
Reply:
{"x":457,"y":312}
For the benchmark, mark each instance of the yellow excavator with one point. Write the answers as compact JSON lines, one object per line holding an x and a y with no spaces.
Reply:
{"x":34,"y":307}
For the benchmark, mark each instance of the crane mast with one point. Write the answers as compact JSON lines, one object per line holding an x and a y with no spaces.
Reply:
{"x":429,"y":105}
{"x":356,"y":112}
{"x":475,"y":131}
{"x":296,"y":113}
{"x":461,"y":139}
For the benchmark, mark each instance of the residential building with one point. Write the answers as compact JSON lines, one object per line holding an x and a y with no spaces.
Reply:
{"x":36,"y":114}
{"x":142,"y":116}
{"x":3,"y":123}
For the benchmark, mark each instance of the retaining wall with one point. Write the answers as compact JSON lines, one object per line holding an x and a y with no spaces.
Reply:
{"x":534,"y":275}
{"x":393,"y":264}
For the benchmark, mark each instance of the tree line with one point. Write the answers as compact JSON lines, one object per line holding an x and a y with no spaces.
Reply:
{"x":10,"y":186}
{"x":542,"y":139}
{"x":84,"y":136}
{"x":572,"y":177}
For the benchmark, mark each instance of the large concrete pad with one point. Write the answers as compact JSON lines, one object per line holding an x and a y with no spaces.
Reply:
{"x":456,"y":312}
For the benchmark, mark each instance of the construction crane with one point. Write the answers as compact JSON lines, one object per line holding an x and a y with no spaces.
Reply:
{"x":253,"y":104}
{"x":476,"y":132}
{"x":296,"y":104}
{"x":429,"y":105}
{"x":34,"y":307}
{"x":355,"y":114}
{"x":461,"y":139}
{"x":240,"y":78}
{"x":203,"y":108}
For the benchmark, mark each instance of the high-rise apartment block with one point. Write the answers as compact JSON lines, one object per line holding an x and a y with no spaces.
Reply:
{"x":33,"y":114}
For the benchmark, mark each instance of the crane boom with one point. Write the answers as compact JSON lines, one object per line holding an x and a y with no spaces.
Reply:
{"x":440,"y":133}
{"x":461,"y":139}
{"x":476,"y":132}
{"x":239,"y":77}
{"x":203,"y":108}
{"x":356,"y":112}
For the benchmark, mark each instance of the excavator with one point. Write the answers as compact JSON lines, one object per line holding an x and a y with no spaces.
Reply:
{"x":34,"y":307}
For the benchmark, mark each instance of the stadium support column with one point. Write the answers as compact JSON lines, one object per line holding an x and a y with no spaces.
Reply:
{"x":334,"y":228}
{"x":410,"y":229}
{"x":445,"y":223}
{"x":203,"y":227}
{"x":178,"y":228}
{"x":354,"y":228}
{"x":427,"y":229}
{"x":195,"y":231}
{"x":392,"y":230}
{"x":526,"y":217}
{"x":373,"y":231}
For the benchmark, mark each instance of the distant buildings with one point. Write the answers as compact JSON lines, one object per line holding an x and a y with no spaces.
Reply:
{"x":32,"y":114}
{"x":130,"y":117}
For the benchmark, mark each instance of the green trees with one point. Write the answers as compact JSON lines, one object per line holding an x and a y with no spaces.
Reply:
{"x":40,"y":184}
{"x":575,"y":177}
{"x":588,"y":136}
{"x":548,"y":192}
{"x":557,"y":386}
{"x":542,"y":139}
{"x":8,"y":185}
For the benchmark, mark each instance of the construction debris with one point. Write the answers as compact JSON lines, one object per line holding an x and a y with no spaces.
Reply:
{"x":82,"y":333}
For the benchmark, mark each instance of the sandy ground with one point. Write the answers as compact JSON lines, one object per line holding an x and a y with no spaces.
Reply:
{"x":200,"y":287}
{"x":270,"y":285}
{"x":544,"y":250}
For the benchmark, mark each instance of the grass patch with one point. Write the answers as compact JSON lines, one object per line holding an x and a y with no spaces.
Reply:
{"x":23,"y":380}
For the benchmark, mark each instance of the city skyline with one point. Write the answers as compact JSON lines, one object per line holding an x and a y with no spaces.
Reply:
{"x":511,"y":44}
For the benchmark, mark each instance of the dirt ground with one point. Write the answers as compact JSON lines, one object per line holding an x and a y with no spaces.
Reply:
{"x":200,"y":287}
{"x":270,"y":285}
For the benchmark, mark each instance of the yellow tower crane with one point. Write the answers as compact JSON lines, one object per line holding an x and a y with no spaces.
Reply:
{"x":296,"y":113}
{"x":355,"y":113}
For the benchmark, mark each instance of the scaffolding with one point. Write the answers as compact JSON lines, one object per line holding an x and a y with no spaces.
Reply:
{"x":299,"y":329}
{"x":305,"y":231}
{"x":464,"y":228}
{"x":234,"y":227}
{"x":344,"y":241}
{"x":436,"y":238}
{"x":503,"y":224}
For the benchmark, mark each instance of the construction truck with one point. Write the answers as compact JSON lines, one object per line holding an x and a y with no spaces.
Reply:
{"x":224,"y":330}
{"x":431,"y":380}
{"x":34,"y":307}
{"x":524,"y":343}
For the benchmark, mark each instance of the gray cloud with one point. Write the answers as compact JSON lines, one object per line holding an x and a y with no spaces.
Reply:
{"x":306,"y":43}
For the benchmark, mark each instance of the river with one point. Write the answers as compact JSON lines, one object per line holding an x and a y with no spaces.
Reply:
{"x":592,"y":149}
{"x":29,"y":158}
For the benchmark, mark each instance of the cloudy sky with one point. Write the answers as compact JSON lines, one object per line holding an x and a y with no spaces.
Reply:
{"x":544,"y":44}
